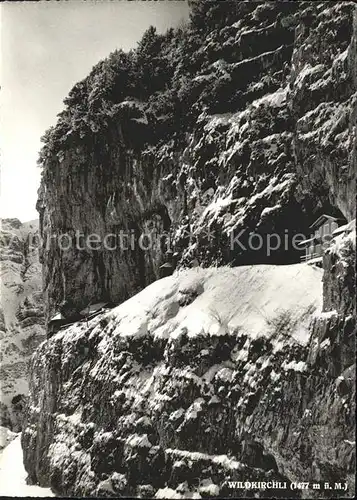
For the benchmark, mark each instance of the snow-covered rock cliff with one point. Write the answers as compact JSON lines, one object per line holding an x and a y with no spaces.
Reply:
{"x":244,"y":121}
{"x":21,"y":313}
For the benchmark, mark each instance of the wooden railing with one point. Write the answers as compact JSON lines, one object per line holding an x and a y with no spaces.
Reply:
{"x":306,"y":258}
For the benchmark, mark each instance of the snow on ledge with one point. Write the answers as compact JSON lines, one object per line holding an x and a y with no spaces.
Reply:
{"x":222,"y":300}
{"x":297,"y":366}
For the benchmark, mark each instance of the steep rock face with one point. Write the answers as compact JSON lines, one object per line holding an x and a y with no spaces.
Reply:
{"x":324,"y":103}
{"x":266,"y":95}
{"x":21,"y":314}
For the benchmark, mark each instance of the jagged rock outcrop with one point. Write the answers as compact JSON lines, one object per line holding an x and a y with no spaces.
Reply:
{"x":252,"y":128}
{"x":324,"y":103}
{"x":21,"y":314}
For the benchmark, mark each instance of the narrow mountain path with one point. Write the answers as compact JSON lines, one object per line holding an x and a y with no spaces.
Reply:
{"x":13,"y":474}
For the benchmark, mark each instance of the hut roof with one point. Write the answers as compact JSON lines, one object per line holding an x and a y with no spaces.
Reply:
{"x":167,"y":265}
{"x":57,"y":317}
{"x":322,"y":219}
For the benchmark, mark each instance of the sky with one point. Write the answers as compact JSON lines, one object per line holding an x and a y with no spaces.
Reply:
{"x":46,"y":47}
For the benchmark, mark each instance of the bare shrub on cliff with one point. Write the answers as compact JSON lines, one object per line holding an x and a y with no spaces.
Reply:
{"x":222,"y":320}
{"x":282,"y":324}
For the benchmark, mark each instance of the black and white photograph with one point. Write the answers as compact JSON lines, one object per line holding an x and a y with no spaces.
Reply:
{"x":177,"y":249}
